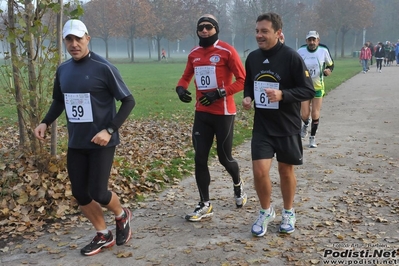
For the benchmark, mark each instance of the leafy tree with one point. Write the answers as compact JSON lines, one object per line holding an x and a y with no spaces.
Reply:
{"x":30,"y":61}
{"x":169,"y":14}
{"x":135,"y":20}
{"x":245,"y":12}
{"x":192,"y":10}
{"x":347,"y":15}
{"x":100,"y":20}
{"x":384,"y":18}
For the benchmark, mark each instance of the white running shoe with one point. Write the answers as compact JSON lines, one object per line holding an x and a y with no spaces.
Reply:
{"x":259,"y":228}
{"x":288,"y":220}
{"x":312,"y":142}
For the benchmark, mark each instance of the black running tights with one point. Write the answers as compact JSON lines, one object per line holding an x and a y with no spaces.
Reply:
{"x":206,"y":127}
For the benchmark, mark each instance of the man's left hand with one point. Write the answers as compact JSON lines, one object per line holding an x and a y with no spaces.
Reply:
{"x":210,"y":97}
{"x":327,"y":72}
{"x":101,"y":138}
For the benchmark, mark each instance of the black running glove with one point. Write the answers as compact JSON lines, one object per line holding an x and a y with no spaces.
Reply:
{"x":212,"y":96}
{"x":184,"y":95}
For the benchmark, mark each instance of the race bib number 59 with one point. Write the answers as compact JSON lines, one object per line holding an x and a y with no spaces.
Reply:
{"x":78,"y":107}
{"x":261,"y":99}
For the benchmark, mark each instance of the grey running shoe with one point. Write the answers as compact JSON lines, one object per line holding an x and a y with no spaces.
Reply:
{"x":240,"y":195}
{"x":259,"y":228}
{"x":201,"y":211}
{"x":304,"y":131}
{"x":312,"y":142}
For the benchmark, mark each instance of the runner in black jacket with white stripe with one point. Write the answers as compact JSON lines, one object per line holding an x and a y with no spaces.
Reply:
{"x":277,"y":80}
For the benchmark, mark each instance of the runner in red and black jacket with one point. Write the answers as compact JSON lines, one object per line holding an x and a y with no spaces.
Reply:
{"x":213,"y":64}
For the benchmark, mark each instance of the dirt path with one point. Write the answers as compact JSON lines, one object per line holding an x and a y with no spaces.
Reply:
{"x":347,"y":201}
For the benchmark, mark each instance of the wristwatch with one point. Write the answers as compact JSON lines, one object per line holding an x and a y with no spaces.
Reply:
{"x":222,"y":93}
{"x":110,"y":130}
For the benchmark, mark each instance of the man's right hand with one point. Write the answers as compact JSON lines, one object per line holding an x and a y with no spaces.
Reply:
{"x":247,"y":103}
{"x":184,"y":95}
{"x":40,"y":131}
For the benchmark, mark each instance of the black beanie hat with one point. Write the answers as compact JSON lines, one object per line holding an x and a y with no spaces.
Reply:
{"x":211,"y":20}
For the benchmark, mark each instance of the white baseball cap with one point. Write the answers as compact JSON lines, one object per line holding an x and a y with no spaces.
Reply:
{"x":74,"y":27}
{"x":313,"y":34}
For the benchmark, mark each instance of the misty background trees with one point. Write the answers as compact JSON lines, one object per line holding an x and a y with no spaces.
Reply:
{"x":141,"y":28}
{"x":124,"y":28}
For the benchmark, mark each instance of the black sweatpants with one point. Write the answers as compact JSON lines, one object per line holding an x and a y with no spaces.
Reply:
{"x":206,"y":127}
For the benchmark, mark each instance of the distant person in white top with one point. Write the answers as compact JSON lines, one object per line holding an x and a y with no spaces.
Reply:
{"x":319,"y":62}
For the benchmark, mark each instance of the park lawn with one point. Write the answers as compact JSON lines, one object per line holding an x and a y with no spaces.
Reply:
{"x":153,"y":87}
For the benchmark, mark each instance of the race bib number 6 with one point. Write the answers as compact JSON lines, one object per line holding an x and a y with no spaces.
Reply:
{"x":78,"y":107}
{"x":261,"y":99}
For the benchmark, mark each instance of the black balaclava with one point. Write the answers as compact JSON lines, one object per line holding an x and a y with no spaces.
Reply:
{"x":205,"y":42}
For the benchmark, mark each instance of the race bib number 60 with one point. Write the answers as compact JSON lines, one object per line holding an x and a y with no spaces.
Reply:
{"x":205,"y":77}
{"x":78,"y":107}
{"x":261,"y":99}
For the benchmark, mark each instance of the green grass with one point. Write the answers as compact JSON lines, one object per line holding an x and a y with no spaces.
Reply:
{"x":153,"y":86}
{"x":344,"y":69}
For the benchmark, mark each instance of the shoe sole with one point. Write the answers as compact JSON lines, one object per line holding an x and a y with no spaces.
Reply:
{"x":263,"y":233}
{"x":94,"y":252}
{"x":286,"y":232}
{"x":128,"y":212}
{"x":282,"y":231}
{"x":188,"y":218}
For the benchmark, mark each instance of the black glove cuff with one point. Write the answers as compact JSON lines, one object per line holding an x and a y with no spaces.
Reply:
{"x":179,"y":89}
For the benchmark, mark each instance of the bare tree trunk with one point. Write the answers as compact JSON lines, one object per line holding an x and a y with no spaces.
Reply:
{"x":354,"y":42}
{"x":16,"y":76}
{"x":343,"y":44}
{"x":159,"y":48}
{"x":132,"y":49}
{"x":149,"y":47}
{"x":54,"y":133}
{"x":336,"y":43}
{"x":168,"y":49}
{"x":32,"y":56}
{"x":106,"y":48}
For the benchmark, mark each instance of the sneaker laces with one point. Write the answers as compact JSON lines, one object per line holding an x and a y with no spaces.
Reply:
{"x":199,"y":207}
{"x":262,"y":217}
{"x":286,"y":218}
{"x":98,"y":237}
